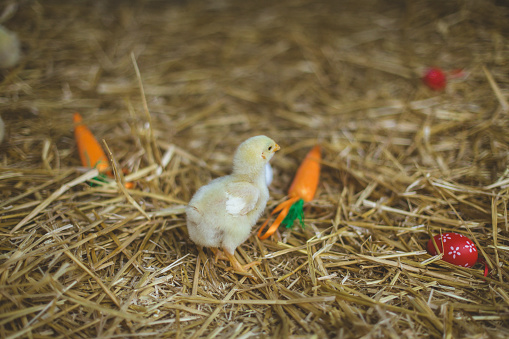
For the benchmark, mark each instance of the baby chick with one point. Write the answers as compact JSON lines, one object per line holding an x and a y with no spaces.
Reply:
{"x":221,"y":214}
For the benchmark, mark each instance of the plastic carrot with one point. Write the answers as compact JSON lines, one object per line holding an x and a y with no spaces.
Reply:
{"x":302,"y":189}
{"x":91,"y":153}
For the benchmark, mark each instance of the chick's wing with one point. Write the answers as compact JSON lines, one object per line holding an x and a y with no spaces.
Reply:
{"x":241,"y":198}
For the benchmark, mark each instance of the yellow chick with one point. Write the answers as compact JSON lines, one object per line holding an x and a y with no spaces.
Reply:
{"x":221,"y":214}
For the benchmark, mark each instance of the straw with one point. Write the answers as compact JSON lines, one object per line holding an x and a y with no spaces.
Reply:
{"x":172,"y":88}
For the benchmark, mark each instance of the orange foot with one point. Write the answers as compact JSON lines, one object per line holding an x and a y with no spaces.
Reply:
{"x":218,"y":254}
{"x":237,"y":267}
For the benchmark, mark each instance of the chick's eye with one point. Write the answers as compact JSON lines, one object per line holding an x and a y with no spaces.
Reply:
{"x":270,"y":147}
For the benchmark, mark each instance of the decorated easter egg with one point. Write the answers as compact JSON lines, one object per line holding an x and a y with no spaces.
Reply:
{"x":435,"y":79}
{"x":457,"y":249}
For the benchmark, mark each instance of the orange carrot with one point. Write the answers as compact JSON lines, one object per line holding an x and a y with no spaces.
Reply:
{"x":302,"y":189}
{"x":91,"y":152}
{"x":308,"y":174}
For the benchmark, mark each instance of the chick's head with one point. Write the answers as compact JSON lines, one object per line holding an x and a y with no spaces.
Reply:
{"x":252,"y":155}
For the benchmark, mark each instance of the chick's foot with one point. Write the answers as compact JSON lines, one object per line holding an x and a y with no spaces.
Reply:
{"x":237,"y":266}
{"x":218,"y":254}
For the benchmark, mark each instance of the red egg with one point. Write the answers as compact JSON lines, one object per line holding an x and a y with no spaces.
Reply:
{"x":459,"y":250}
{"x":435,"y":79}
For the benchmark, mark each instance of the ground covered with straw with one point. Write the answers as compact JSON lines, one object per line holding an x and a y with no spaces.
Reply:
{"x":172,"y":87}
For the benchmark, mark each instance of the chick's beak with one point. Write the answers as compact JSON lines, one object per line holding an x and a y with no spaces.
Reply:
{"x":276,"y":148}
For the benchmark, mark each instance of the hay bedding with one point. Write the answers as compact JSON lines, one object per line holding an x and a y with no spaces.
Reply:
{"x":401,"y":162}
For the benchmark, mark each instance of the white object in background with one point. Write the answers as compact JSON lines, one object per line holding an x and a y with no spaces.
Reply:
{"x":268,"y":174}
{"x":9,"y":48}
{"x":2,"y":130}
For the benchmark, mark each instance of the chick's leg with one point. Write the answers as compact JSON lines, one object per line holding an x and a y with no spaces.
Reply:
{"x":236,"y":264}
{"x":218,"y":254}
